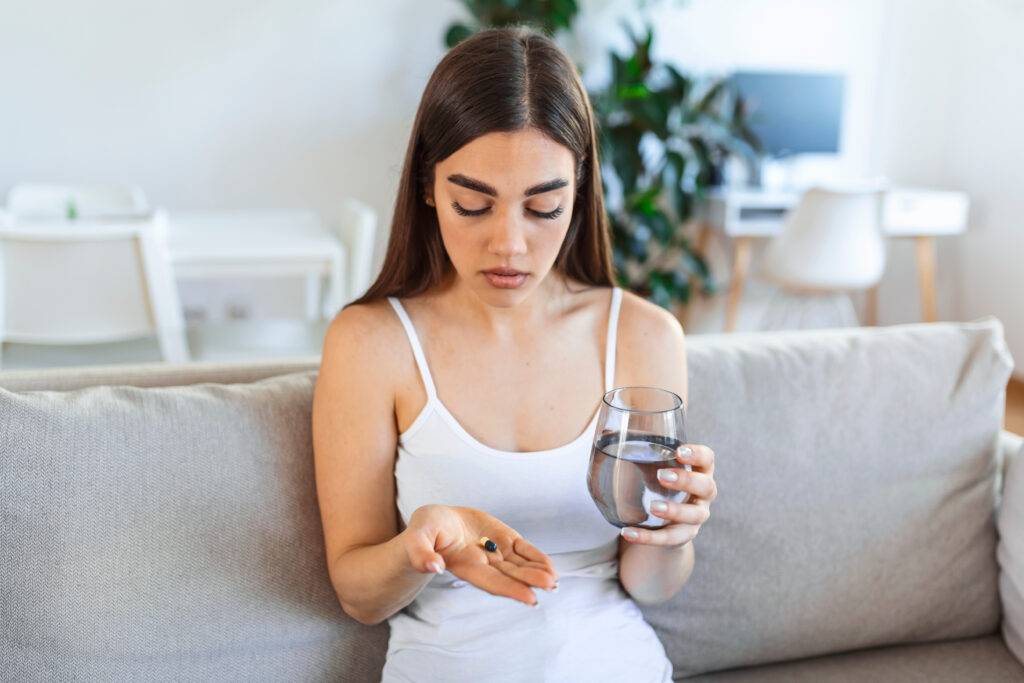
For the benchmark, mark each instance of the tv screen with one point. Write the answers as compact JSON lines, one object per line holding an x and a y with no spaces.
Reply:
{"x":793,"y":113}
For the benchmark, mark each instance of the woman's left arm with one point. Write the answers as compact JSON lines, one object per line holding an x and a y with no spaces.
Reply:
{"x":654,"y":565}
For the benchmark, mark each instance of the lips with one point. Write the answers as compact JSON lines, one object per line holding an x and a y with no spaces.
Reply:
{"x":505,"y":278}
{"x":507,"y":272}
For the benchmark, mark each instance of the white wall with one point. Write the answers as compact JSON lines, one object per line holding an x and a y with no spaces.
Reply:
{"x":950,"y":103}
{"x":227,"y":104}
{"x":268,"y":103}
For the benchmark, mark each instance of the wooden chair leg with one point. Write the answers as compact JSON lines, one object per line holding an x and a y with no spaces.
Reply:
{"x":871,"y":307}
{"x":926,"y":276}
{"x":703,"y":237}
{"x":740,"y":265}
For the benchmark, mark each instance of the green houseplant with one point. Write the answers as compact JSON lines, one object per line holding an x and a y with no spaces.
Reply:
{"x":665,"y":138}
{"x":547,"y":15}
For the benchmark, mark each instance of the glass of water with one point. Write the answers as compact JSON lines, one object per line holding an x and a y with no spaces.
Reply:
{"x":638,"y":432}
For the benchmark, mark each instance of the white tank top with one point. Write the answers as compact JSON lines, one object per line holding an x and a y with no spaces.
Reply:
{"x":587,"y":630}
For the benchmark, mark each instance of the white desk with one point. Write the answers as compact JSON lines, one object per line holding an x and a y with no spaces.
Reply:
{"x":749,"y":213}
{"x":232,"y":244}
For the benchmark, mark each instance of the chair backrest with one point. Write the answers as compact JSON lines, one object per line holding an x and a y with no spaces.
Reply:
{"x":88,"y":281}
{"x":36,"y":200}
{"x":831,"y":241}
{"x":357,"y":229}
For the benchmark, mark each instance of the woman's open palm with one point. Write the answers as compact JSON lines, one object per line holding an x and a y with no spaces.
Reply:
{"x":443,"y":537}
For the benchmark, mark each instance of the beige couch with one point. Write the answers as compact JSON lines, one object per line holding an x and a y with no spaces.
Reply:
{"x":160,"y":522}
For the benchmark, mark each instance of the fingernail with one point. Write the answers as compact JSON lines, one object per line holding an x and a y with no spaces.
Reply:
{"x":659,"y":506}
{"x":434,"y":567}
{"x":631,"y":533}
{"x":685,"y":452}
{"x":667,"y":475}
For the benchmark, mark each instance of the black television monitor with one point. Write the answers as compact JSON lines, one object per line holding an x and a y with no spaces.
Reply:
{"x":793,"y":113}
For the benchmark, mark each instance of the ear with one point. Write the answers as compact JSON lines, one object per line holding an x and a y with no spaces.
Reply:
{"x":429,"y":200}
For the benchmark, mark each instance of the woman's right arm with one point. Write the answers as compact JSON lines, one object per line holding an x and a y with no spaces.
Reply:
{"x":375,"y":570}
{"x":354,"y":440}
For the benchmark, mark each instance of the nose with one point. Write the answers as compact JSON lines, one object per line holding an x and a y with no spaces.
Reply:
{"x":508,"y":235}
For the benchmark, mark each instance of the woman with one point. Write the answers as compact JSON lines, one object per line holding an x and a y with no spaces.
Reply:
{"x":451,"y":397}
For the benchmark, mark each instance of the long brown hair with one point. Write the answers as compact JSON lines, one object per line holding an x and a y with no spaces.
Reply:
{"x":499,"y":80}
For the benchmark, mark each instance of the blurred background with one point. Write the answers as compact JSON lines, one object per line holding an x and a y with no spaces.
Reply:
{"x":262,"y":143}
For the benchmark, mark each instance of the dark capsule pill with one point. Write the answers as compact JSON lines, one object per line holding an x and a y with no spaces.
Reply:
{"x":490,"y":545}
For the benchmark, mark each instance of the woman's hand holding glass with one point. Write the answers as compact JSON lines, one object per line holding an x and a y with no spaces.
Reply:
{"x":685,"y":518}
{"x":441,"y":537}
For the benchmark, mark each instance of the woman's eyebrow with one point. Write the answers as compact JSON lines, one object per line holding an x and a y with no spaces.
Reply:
{"x":477,"y":186}
{"x":556,"y":184}
{"x":471,"y":184}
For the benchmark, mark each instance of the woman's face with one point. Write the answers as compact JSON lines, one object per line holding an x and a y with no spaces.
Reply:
{"x":504,"y":202}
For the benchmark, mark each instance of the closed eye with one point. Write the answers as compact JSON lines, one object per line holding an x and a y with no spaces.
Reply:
{"x":462,"y":211}
{"x":550,"y":215}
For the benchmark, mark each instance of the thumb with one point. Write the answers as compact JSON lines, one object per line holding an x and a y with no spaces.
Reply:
{"x":422,"y":555}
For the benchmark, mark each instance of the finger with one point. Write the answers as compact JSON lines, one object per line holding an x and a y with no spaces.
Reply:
{"x":422,"y":555}
{"x":700,"y":457}
{"x":681,"y":513}
{"x":530,"y":575}
{"x":674,"y":535}
{"x":495,"y":582}
{"x":523,"y":562}
{"x":699,"y":484}
{"x":530,"y":552}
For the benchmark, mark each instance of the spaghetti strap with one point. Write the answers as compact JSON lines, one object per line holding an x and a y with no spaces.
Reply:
{"x":417,"y":349}
{"x":613,"y":326}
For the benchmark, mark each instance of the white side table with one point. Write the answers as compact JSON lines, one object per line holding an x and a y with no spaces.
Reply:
{"x":238,"y":244}
{"x":745,"y":214}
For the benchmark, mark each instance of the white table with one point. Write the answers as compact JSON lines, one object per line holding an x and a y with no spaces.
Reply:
{"x":277,"y":244}
{"x":745,"y":214}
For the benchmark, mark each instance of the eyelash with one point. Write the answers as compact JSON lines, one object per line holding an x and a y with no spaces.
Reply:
{"x":550,"y":215}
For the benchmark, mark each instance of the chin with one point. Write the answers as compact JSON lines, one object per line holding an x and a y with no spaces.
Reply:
{"x":505,"y":298}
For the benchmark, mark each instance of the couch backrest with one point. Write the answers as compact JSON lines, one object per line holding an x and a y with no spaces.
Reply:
{"x":857,"y":473}
{"x":172,"y":532}
{"x":169,"y":533}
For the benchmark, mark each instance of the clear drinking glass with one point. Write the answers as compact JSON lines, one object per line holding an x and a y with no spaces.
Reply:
{"x":638,"y":431}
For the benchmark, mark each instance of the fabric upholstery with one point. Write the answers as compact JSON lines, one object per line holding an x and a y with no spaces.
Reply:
{"x":974,"y":659}
{"x":151,"y":374}
{"x":856,"y":473}
{"x":169,"y":534}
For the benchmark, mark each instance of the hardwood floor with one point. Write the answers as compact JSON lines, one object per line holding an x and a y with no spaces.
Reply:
{"x":1015,"y":406}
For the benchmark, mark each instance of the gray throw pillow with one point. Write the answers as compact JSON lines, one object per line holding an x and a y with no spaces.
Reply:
{"x":856,"y":473}
{"x":168,"y":533}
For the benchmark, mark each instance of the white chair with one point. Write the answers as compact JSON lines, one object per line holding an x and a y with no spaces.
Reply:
{"x":831,"y":244}
{"x":357,"y":229}
{"x":85,"y":292}
{"x":34,"y":200}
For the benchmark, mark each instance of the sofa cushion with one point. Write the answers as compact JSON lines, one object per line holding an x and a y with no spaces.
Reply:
{"x":169,"y":534}
{"x":973,"y":659}
{"x":1011,"y":556}
{"x":856,"y":473}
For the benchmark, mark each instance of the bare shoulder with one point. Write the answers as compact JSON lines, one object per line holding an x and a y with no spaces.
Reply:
{"x":647,"y":327}
{"x":366,"y":338}
{"x":651,"y":350}
{"x":365,"y":333}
